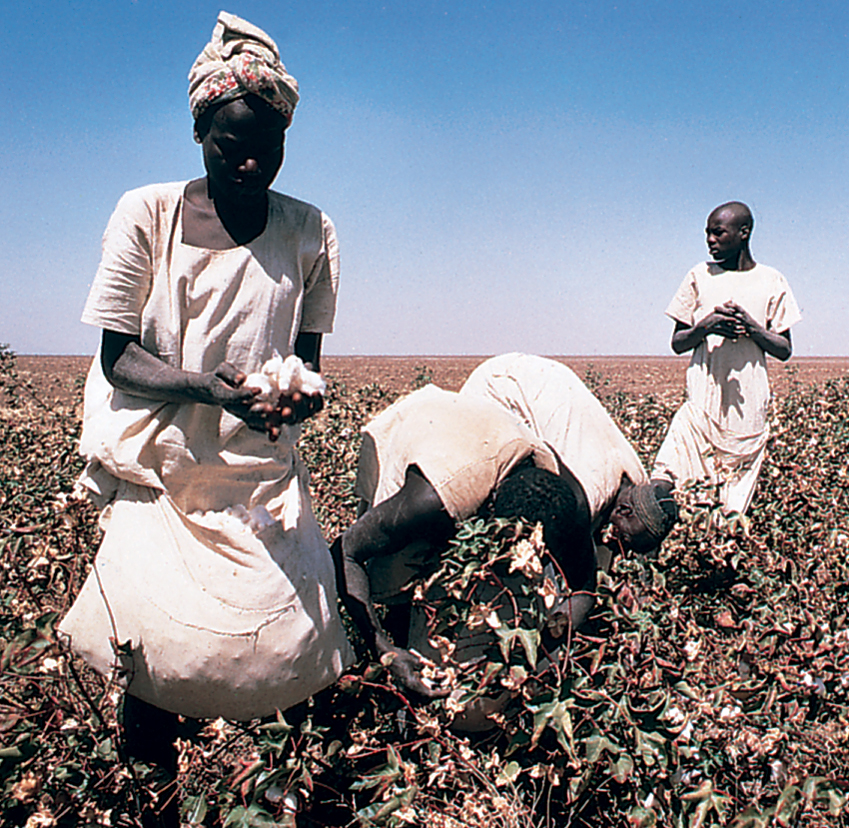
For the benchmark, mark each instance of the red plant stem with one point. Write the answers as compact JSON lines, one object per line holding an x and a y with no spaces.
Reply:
{"x":455,"y":754}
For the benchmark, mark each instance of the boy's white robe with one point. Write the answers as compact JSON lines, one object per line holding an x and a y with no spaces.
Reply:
{"x":720,"y":433}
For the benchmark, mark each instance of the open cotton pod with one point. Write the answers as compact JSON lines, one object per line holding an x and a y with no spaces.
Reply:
{"x":285,"y":376}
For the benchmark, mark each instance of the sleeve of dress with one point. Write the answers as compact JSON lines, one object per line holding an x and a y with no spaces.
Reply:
{"x":122,"y":282}
{"x":683,"y":306}
{"x":322,"y":284}
{"x":782,"y":311}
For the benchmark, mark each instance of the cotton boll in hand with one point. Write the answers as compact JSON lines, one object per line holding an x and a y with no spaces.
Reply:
{"x":261,"y":381}
{"x":285,"y":376}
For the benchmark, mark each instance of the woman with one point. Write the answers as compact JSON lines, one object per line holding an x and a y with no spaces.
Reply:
{"x":199,"y":284}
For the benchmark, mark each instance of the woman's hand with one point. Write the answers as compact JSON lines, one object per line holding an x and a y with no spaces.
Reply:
{"x":132,"y":369}
{"x":225,"y":387}
{"x":292,"y":409}
{"x":261,"y":415}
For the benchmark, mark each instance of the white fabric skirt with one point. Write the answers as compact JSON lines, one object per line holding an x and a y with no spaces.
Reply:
{"x":210,"y":622}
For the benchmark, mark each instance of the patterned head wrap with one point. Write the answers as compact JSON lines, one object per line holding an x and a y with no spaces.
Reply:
{"x":655,"y":508}
{"x":240,"y":59}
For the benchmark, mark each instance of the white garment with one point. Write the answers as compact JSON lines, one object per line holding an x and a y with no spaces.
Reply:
{"x":558,"y":408}
{"x":162,"y":579}
{"x":464,"y":447}
{"x":720,"y":434}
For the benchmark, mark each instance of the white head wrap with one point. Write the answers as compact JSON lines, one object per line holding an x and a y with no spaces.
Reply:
{"x":240,"y":59}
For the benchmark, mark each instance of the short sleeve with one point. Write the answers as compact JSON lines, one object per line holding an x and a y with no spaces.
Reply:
{"x":684,"y":303}
{"x":122,"y":282}
{"x":782,"y":311}
{"x":322,"y":284}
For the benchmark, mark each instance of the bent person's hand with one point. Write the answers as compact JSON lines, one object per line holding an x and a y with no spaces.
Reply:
{"x":414,"y":672}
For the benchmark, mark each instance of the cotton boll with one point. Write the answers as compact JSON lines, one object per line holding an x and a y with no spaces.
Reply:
{"x":293,"y":376}
{"x":260,"y":518}
{"x":285,"y":376}
{"x":311,"y":382}
{"x":236,"y":519}
{"x":230,"y":520}
{"x":238,"y":511}
{"x":266,"y":388}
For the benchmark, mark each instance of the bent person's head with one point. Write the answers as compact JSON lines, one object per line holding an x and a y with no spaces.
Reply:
{"x":540,"y":496}
{"x":643,"y":516}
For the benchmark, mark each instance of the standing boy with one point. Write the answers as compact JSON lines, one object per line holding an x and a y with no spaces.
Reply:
{"x":730,"y":313}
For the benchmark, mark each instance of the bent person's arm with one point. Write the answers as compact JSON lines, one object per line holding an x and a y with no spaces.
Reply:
{"x":415,"y":512}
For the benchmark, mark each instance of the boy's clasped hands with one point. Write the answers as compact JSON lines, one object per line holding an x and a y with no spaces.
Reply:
{"x":729,"y":320}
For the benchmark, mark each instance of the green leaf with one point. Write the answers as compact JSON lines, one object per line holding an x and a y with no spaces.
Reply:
{"x":529,"y":639}
{"x":384,"y":775}
{"x":752,"y":817}
{"x":787,"y":805}
{"x":658,"y":744}
{"x":542,"y":715}
{"x":256,"y":816}
{"x":508,"y":773}
{"x":279,"y":726}
{"x":193,"y":810}
{"x":685,"y":690}
{"x":596,"y":745}
{"x":622,"y":767}
{"x":106,"y":750}
{"x":380,"y":810}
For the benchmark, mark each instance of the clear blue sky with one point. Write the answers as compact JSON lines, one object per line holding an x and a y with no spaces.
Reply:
{"x":502,"y":175}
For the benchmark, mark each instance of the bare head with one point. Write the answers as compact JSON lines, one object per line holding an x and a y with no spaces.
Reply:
{"x":729,"y":228}
{"x":643,"y":515}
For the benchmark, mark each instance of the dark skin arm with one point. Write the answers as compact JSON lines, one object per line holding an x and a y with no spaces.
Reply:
{"x":414,"y":513}
{"x":133,"y":370}
{"x":731,"y":321}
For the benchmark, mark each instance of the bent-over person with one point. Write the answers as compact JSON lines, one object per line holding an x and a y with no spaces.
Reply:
{"x":434,"y":458}
{"x":549,"y":398}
